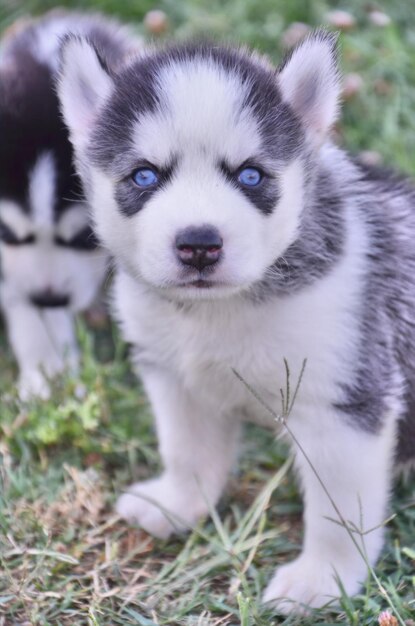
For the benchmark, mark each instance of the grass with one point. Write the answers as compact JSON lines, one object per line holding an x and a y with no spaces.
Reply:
{"x":65,"y":558}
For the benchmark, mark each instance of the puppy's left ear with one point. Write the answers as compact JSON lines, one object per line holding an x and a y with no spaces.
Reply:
{"x":84,"y":85}
{"x":309,"y":81}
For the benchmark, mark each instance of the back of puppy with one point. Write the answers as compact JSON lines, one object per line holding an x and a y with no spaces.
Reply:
{"x":51,"y":265}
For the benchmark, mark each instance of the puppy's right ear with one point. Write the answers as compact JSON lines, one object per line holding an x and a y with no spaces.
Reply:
{"x":84,"y":85}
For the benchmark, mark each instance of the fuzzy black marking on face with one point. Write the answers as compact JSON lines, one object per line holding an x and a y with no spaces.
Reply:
{"x":131,"y":197}
{"x":9,"y":237}
{"x":83,"y":240}
{"x":31,"y":125}
{"x":264,"y":195}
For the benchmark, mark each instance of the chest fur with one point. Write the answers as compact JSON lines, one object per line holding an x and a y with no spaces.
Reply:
{"x":203,"y":342}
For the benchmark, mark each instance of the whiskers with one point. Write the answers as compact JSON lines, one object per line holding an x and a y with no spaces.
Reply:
{"x":278,"y":271}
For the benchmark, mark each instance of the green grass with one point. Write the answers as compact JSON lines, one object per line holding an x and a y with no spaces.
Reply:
{"x":65,"y":558}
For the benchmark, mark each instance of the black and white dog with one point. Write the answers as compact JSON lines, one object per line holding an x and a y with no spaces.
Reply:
{"x":243,"y":236}
{"x":49,"y":260}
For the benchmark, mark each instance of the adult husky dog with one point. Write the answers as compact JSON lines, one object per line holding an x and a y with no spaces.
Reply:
{"x":243,"y":236}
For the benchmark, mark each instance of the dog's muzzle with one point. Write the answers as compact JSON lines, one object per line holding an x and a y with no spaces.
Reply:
{"x":199,"y":247}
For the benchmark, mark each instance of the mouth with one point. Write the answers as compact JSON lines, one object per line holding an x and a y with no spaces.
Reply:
{"x":201,"y":283}
{"x":204,"y":286}
{"x":200,"y":289}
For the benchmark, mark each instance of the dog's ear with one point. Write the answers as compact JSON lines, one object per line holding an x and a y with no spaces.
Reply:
{"x":309,"y":81}
{"x":84,"y":85}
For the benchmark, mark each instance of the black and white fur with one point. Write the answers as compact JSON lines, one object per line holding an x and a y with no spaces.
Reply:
{"x":318,"y":262}
{"x":50,"y":262}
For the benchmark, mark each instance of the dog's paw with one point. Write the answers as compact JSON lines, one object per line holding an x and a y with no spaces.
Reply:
{"x":160,"y":507}
{"x":33,"y":384}
{"x":306,"y":583}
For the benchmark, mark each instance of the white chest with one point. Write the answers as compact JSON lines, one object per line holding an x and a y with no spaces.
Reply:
{"x":204,"y":342}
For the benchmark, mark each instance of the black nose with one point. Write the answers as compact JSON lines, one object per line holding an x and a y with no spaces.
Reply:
{"x":49,"y":299}
{"x":199,"y":246}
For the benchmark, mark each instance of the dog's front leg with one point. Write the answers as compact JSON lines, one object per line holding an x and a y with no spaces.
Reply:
{"x":198,"y":447}
{"x":355,"y":468}
{"x":41,"y":340}
{"x":60,"y":324}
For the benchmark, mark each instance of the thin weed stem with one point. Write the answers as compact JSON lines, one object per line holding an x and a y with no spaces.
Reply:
{"x":287,"y":408}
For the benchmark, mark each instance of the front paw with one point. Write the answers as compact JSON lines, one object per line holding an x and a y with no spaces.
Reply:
{"x":33,"y":384}
{"x":310,"y":583}
{"x":161,"y":507}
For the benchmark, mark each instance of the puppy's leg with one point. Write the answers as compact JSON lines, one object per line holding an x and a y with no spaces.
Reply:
{"x":33,"y":344}
{"x":355,"y":467}
{"x":198,"y":448}
{"x":60,"y":324}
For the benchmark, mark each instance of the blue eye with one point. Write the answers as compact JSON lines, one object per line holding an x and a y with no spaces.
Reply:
{"x":249,"y":177}
{"x":145,"y":177}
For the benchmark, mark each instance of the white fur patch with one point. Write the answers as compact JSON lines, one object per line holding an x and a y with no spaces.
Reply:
{"x":72,"y":222}
{"x":42,"y":195}
{"x":83,"y":87}
{"x":281,"y":228}
{"x":202,"y":104}
{"x":15,"y":218}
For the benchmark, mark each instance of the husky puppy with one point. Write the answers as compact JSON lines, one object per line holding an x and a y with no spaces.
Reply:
{"x":243,"y":236}
{"x":50,"y":262}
